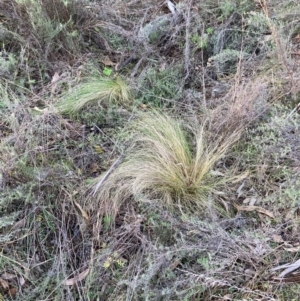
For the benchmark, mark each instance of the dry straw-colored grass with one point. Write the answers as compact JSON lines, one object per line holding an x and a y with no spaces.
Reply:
{"x":97,"y":90}
{"x":164,"y":164}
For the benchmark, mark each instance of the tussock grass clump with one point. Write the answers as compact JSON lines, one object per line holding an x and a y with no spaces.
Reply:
{"x":164,"y":164}
{"x":97,"y":90}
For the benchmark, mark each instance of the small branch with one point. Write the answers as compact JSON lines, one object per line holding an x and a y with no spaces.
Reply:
{"x":136,"y":67}
{"x":187,"y":42}
{"x":297,"y":107}
{"x":107,"y":174}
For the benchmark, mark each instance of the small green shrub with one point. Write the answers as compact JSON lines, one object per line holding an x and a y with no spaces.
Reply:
{"x":158,"y":88}
{"x":227,"y":7}
{"x":226,"y":60}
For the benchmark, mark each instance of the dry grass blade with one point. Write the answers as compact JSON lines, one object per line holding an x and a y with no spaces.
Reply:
{"x":77,"y":278}
{"x":254,"y":208}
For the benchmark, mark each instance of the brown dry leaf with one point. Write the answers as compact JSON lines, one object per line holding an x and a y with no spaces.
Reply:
{"x":174,"y":265}
{"x":250,"y":201}
{"x":246,"y":201}
{"x":4,"y":284}
{"x":293,"y":250}
{"x":18,"y":225}
{"x":12,"y":291}
{"x":225,"y":205}
{"x":8,"y":276}
{"x":94,"y":168}
{"x":277,"y":238}
{"x":83,"y":213}
{"x":290,"y":215}
{"x":240,"y":190}
{"x":77,"y":278}
{"x":106,"y":61}
{"x":54,"y":81}
{"x":254,"y":208}
{"x":249,"y":274}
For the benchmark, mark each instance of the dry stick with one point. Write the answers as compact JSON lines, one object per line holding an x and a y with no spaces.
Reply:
{"x":239,"y":66}
{"x":203,"y":76}
{"x":187,"y":42}
{"x":113,"y":141}
{"x":297,"y":107}
{"x":112,"y":167}
{"x":107,"y":174}
{"x":136,"y":67}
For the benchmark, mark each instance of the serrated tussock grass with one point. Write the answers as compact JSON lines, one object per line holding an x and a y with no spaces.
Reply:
{"x":100,"y":90}
{"x":164,"y":164}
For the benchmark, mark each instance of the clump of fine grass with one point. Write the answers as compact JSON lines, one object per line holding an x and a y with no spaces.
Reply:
{"x":164,"y":165}
{"x":97,"y":90}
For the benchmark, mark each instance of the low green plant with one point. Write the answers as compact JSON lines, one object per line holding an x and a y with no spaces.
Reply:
{"x":227,"y":8}
{"x":226,"y":60}
{"x":107,"y":71}
{"x":200,"y":41}
{"x":158,"y":87}
{"x":95,"y":90}
{"x":8,"y":64}
{"x":165,"y":165}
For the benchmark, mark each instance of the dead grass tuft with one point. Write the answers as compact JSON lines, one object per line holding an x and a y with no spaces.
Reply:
{"x":166,"y":165}
{"x":240,"y":106}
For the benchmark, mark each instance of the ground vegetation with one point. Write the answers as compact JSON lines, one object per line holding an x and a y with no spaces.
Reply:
{"x":149,"y":150}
